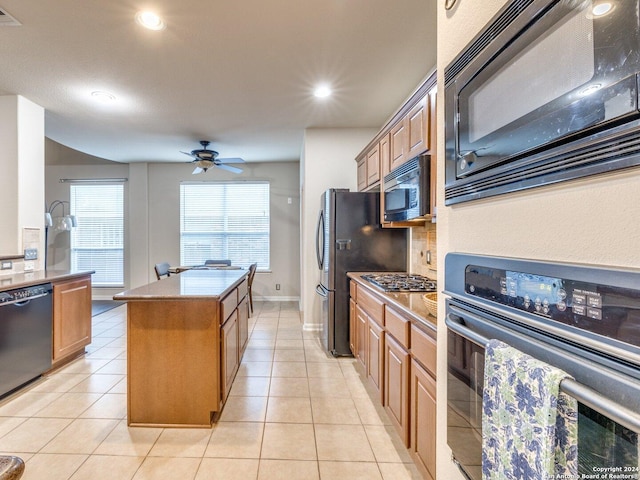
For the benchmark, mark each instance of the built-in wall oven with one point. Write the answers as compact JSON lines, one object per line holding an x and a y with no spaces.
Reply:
{"x":584,"y":320}
{"x":547,"y":92}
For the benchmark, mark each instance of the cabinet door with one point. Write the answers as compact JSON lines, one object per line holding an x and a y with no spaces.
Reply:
{"x":373,"y":166}
{"x":71,"y":317}
{"x":423,"y":418}
{"x":361,"y":336}
{"x":352,"y":326}
{"x":398,"y":145}
{"x":417,"y":121}
{"x":362,"y":173}
{"x":229,"y":353}
{"x":243,"y":324}
{"x":375,"y":355}
{"x":385,"y":155}
{"x":396,"y":386}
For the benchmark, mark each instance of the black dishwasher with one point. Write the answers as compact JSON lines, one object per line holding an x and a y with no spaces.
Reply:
{"x":25,"y":335}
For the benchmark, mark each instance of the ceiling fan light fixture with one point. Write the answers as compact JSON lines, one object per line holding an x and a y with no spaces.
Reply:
{"x":150,"y":20}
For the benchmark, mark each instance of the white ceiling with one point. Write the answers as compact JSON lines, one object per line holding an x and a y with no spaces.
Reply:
{"x":237,"y":72}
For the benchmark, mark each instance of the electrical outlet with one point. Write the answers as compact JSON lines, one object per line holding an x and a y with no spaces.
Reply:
{"x":277,"y":286}
{"x":29,"y":266}
{"x":6,"y":265}
{"x":30,"y":253}
{"x":428,"y":257}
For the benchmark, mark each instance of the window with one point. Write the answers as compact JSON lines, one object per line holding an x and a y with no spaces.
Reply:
{"x":225,"y":220}
{"x":97,"y":243}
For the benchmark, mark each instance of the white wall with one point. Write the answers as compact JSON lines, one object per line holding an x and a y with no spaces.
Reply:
{"x":592,"y":220}
{"x":22,"y":178}
{"x":152,"y":232}
{"x":328,"y":161}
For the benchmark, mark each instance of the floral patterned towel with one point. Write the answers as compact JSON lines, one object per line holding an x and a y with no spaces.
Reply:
{"x":529,"y":428}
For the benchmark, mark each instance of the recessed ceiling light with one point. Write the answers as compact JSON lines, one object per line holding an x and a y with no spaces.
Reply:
{"x":150,"y":20}
{"x":601,"y":9}
{"x":103,"y":97}
{"x":322,"y":91}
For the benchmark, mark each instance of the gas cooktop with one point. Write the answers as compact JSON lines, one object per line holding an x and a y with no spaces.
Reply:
{"x":401,"y":282}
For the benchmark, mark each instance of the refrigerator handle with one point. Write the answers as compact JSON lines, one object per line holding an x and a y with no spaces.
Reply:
{"x":321,"y":290}
{"x":320,"y":237}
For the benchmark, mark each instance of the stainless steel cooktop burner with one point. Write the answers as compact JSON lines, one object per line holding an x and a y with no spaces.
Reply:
{"x":401,"y":282}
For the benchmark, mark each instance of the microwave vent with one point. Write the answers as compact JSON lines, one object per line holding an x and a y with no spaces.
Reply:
{"x":596,"y":156}
{"x":501,"y":22}
{"x":7,"y":20}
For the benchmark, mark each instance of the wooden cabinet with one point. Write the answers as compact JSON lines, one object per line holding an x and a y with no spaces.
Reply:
{"x":423,"y":420}
{"x":375,"y":355}
{"x":362,"y":173}
{"x":398,"y":145}
{"x":373,"y":165}
{"x":368,"y":165}
{"x":417,"y":124}
{"x":384,"y":146}
{"x":398,"y":354}
{"x":396,"y":386}
{"x":361,"y":336}
{"x":243,"y":324}
{"x":352,"y":326}
{"x":71,"y":318}
{"x":229,"y":353}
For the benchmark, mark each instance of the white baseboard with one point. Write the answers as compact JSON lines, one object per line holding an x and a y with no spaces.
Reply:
{"x":312,"y":327}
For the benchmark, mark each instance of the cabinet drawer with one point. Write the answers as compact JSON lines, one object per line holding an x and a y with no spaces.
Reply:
{"x":243,"y":289}
{"x":397,"y":326}
{"x":228,"y":305}
{"x":371,"y":304}
{"x":423,"y":349}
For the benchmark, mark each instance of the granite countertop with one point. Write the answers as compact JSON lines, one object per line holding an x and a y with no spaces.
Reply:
{"x":408,"y":302}
{"x":26,"y":279}
{"x":211,"y":284}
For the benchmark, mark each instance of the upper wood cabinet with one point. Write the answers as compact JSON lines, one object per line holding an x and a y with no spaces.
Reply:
{"x":417,"y":126}
{"x":398,"y":145}
{"x":369,"y":168}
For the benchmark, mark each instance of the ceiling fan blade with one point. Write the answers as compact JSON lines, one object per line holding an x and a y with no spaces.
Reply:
{"x":189,"y":154}
{"x":230,"y":160}
{"x":197,"y":170}
{"x":229,"y":168}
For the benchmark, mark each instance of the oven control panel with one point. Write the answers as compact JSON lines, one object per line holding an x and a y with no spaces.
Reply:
{"x":606,"y":310}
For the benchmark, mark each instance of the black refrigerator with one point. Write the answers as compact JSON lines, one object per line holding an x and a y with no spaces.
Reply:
{"x":349,"y":238}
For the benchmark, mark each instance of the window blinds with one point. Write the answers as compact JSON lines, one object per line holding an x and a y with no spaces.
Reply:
{"x":225,"y":220}
{"x":97,"y":243}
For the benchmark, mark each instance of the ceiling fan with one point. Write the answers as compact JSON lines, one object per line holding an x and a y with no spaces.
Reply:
{"x":205,"y":159}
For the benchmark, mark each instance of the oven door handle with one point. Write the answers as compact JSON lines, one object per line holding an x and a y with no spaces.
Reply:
{"x":585,"y":395}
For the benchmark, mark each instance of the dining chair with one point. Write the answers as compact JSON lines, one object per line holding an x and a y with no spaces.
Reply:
{"x":162,"y":270}
{"x":252,"y":273}
{"x":218,"y":263}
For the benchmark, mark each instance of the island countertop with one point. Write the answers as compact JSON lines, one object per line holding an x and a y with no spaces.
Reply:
{"x":190,"y":284}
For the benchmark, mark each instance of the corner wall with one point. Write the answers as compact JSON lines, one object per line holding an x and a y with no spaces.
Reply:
{"x":327,"y":161}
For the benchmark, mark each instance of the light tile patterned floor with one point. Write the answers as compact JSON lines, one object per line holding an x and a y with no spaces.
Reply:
{"x":293,"y":413}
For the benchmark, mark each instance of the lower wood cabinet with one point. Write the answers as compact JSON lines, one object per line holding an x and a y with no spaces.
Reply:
{"x":396,"y":386}
{"x":230,"y":360}
{"x":352,"y":326}
{"x":243,"y":324}
{"x":361,"y":336}
{"x":71,"y":318}
{"x":423,"y":419}
{"x":375,"y":355}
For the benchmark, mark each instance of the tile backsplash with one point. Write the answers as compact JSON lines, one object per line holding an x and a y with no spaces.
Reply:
{"x":422,"y":246}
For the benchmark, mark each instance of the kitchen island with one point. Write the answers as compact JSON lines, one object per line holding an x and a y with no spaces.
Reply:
{"x":185,"y":339}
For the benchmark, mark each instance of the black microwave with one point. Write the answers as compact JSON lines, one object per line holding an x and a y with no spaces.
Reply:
{"x":406,"y":190}
{"x":546,"y":92}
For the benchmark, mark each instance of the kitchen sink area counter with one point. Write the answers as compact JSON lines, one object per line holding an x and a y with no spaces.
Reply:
{"x":27,"y":279}
{"x":185,"y":338}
